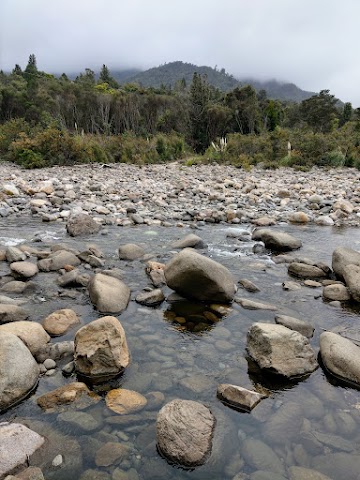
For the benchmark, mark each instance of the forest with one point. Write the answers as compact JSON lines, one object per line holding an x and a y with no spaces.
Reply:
{"x":50,"y":120}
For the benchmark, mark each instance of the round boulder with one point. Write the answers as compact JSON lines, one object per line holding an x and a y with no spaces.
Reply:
{"x":130,"y":251}
{"x":82,"y":224}
{"x":31,"y":333}
{"x":24,"y":269}
{"x":60,"y":321}
{"x":108,"y":294}
{"x":337,"y":291}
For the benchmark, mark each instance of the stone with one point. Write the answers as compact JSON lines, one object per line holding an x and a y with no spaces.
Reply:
{"x":19,"y":371}
{"x":101,"y":349}
{"x":283,"y":426}
{"x":12,"y":313}
{"x":112,"y":453}
{"x":280,"y":350}
{"x":248,"y":285}
{"x":150,"y":299}
{"x":299,"y":217}
{"x":31,"y":333}
{"x":14,"y":254}
{"x":343,"y":205}
{"x":197,"y":383}
{"x":301,"y":473}
{"x":80,"y":420}
{"x":58,"y":260}
{"x":17,"y":444}
{"x":338,"y":465}
{"x":198,"y":277}
{"x":340,"y":292}
{"x":260,"y":456}
{"x":17,"y":286}
{"x":342,"y":257}
{"x":239,"y":397}
{"x":303,"y":270}
{"x":351,"y":274}
{"x":325,"y":221}
{"x":55,"y":351}
{"x":49,"y":364}
{"x":124,"y":402}
{"x":72,"y":393}
{"x":31,"y":473}
{"x":10,"y":189}
{"x":58,"y":460}
{"x":278,"y":241}
{"x":108,"y":294}
{"x":251,"y":305}
{"x":296,"y":324}
{"x":291,"y":286}
{"x":184,"y":431}
{"x":60,"y":321}
{"x":190,"y":241}
{"x":24,"y":269}
{"x":340,"y":356}
{"x":82,"y":224}
{"x":130,"y":251}
{"x":312,"y":284}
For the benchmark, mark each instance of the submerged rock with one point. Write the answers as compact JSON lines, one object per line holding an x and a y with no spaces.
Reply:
{"x":184,"y":431}
{"x":260,"y":456}
{"x":124,"y":401}
{"x":76,"y":392}
{"x":198,"y":277}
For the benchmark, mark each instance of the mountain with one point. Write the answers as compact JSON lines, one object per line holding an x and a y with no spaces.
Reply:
{"x":169,"y":73}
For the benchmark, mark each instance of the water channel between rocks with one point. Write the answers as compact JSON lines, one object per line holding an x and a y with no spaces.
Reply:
{"x":312,"y":423}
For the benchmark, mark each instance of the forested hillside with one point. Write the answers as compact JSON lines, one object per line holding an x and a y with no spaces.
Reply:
{"x":47,"y":120}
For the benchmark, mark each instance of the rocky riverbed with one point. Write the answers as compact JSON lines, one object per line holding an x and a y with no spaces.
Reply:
{"x":108,"y":372}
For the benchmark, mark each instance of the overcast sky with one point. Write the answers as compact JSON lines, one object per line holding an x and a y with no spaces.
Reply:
{"x":313,"y":43}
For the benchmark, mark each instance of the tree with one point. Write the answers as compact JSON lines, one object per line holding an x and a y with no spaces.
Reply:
{"x":31,"y":76}
{"x":105,"y":77}
{"x":320,"y":112}
{"x":244,"y":104}
{"x":17,"y":70}
{"x":346,"y":114}
{"x":199,"y":102}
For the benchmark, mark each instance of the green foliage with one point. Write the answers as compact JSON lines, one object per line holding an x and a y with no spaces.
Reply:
{"x":320,"y":112}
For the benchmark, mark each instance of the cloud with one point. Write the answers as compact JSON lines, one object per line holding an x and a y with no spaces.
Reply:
{"x":306,"y":42}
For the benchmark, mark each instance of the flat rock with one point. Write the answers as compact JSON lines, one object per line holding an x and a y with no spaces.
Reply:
{"x":198,"y":277}
{"x":73,"y":393}
{"x":130,"y":251}
{"x":184,"y":432}
{"x":108,"y":294}
{"x":190,"y":241}
{"x":251,"y":305}
{"x":342,"y":257}
{"x":239,"y":397}
{"x":80,"y":420}
{"x":296,"y":324}
{"x":280,"y":350}
{"x":248,"y":285}
{"x":60,"y":321}
{"x":124,"y":401}
{"x":12,"y":313}
{"x":150,"y":299}
{"x":24,"y":269}
{"x":82,"y":224}
{"x":278,"y":241}
{"x":17,"y":444}
{"x":303,"y":270}
{"x":31,"y":333}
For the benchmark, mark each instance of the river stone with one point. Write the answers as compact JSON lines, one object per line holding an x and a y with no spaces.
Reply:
{"x":123,"y":401}
{"x":284,"y":425}
{"x":198,"y":277}
{"x":19,"y":371}
{"x":184,"y":432}
{"x":340,"y":292}
{"x":60,"y":321}
{"x":280,"y":350}
{"x":81,"y":420}
{"x":351,"y":274}
{"x":82,"y":224}
{"x":108,"y":294}
{"x":31,"y":333}
{"x":301,"y":473}
{"x":55,"y":351}
{"x":76,"y":392}
{"x":17,"y":444}
{"x":130,"y":251}
{"x":338,"y":465}
{"x":295,"y":324}
{"x":239,"y":397}
{"x":24,"y":269}
{"x":190,"y":241}
{"x":248,"y":285}
{"x":274,"y":240}
{"x":14,"y":254}
{"x":303,"y":270}
{"x":150,"y":299}
{"x":101,"y":349}
{"x":342,"y":257}
{"x":251,"y":305}
{"x":299,"y":217}
{"x":58,"y":260}
{"x":260,"y":456}
{"x":340,"y":356}
{"x":112,"y":453}
{"x":261,"y":475}
{"x":12,"y":313}
{"x":17,"y":286}
{"x":31,"y":473}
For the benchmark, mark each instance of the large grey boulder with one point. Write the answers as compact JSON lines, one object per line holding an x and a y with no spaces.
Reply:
{"x":184,"y":432}
{"x":108,"y":294}
{"x":17,"y":444}
{"x":19,"y":371}
{"x":274,"y":240}
{"x":101,"y":349}
{"x":82,"y":224}
{"x":340,"y":356}
{"x":198,"y":277}
{"x":280,"y":350}
{"x":342,"y":257}
{"x":31,"y":333}
{"x":351,"y":274}
{"x":190,"y":241}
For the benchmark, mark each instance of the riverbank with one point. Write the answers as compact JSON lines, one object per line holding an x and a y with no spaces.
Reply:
{"x":124,"y":194}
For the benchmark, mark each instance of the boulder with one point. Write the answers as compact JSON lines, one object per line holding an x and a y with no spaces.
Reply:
{"x":299,"y":217}
{"x":73,"y":393}
{"x":24,"y":269}
{"x":150,"y":299}
{"x":108,"y":294}
{"x":340,"y":292}
{"x":17,"y":444}
{"x":60,"y":321}
{"x":248,"y":285}
{"x":130,"y":251}
{"x":82,"y":224}
{"x":303,"y":270}
{"x":58,"y":260}
{"x":14,"y":254}
{"x":260,"y":456}
{"x":190,"y":241}
{"x":184,"y":432}
{"x":101,"y":349}
{"x":55,"y":351}
{"x":342,"y":257}
{"x":340,"y":356}
{"x":239,"y":397}
{"x":12,"y":313}
{"x":351,"y":275}
{"x":280,"y":350}
{"x":31,"y":333}
{"x":296,"y":324}
{"x":124,"y":401}
{"x":274,"y":240}
{"x":198,"y":277}
{"x":19,"y":371}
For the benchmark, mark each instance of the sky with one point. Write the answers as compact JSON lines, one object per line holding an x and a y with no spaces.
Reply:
{"x":312,"y":43}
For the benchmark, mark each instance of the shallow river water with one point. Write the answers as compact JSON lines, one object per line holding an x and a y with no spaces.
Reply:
{"x":313,"y":422}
